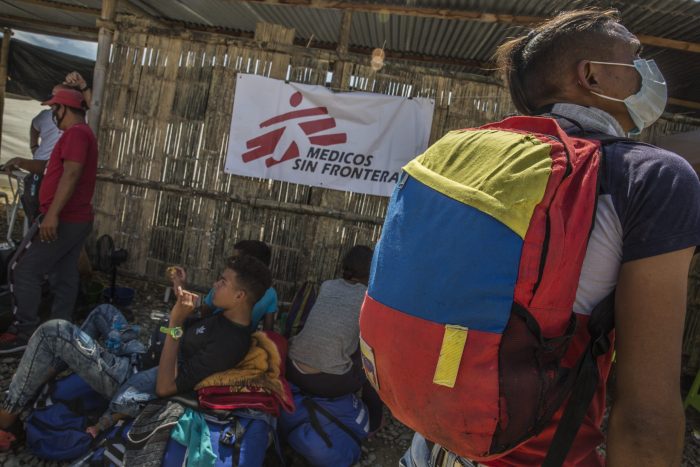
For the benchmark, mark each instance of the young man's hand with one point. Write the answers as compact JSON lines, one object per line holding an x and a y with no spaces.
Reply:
{"x":185,"y":305}
{"x":177,"y":275}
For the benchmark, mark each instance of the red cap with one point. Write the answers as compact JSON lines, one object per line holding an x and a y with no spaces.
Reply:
{"x":69,"y":97}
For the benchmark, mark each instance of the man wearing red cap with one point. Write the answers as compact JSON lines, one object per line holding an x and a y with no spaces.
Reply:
{"x":52,"y":245}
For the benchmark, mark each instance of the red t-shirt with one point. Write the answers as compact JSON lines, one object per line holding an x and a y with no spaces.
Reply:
{"x":78,"y":144}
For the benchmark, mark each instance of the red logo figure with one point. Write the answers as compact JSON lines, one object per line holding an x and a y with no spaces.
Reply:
{"x":265,"y":145}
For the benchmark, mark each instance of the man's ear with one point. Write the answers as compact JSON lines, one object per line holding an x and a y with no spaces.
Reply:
{"x":241,"y":294}
{"x":587,"y":75}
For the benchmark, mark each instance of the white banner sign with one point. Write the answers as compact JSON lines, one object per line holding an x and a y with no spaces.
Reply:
{"x":349,"y":141}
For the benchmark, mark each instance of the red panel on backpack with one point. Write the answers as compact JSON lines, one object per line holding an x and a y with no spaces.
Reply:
{"x":406,"y":350}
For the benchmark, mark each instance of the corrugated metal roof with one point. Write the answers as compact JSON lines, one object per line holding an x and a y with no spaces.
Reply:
{"x":451,"y":41}
{"x":36,"y":12}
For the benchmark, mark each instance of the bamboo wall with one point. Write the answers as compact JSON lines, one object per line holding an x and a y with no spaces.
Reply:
{"x":163,"y":140}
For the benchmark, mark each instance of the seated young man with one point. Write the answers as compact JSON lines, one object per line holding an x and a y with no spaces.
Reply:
{"x":208,"y":346}
{"x":324,"y":358}
{"x":265,"y":308}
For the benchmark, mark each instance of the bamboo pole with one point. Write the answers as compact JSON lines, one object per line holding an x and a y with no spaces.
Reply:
{"x":188,"y":192}
{"x":684,"y":103}
{"x":47,"y":27}
{"x":344,"y":36}
{"x":317,"y":51}
{"x":104,"y":43}
{"x":6,"y":35}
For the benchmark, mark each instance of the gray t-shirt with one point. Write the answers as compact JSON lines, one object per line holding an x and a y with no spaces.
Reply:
{"x":48,"y":134}
{"x":332,"y":330}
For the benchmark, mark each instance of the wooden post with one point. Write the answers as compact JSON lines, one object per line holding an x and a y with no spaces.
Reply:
{"x":6,"y":35}
{"x":342,"y":50}
{"x":104,"y":43}
{"x":344,"y":37}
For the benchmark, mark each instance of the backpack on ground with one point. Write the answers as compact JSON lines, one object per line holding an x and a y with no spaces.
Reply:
{"x":300,"y":308}
{"x":63,"y":410}
{"x":466,"y":327}
{"x":240,"y":438}
{"x":110,"y":448}
{"x":326,"y":431}
{"x":138,"y":441}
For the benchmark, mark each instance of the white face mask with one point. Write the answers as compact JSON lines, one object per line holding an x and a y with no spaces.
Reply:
{"x":646,"y":106}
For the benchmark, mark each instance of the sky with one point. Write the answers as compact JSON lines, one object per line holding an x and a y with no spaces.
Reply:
{"x":18,"y":113}
{"x":69,"y":46}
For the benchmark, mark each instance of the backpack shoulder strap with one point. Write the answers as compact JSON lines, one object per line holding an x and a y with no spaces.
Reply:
{"x":603,"y":138}
{"x":233,"y":436}
{"x":585,"y":381}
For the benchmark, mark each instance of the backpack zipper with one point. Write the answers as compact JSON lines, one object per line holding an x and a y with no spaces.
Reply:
{"x":545,"y":243}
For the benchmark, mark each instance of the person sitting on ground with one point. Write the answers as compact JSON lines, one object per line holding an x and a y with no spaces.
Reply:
{"x":324,"y":358}
{"x":266,"y":307}
{"x":208,"y":346}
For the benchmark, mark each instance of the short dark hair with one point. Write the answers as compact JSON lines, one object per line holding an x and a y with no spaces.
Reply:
{"x":356,"y":262}
{"x":256,"y":249}
{"x":253,"y":276}
{"x":533,"y":65}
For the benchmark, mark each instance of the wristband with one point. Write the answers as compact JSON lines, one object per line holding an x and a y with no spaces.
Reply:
{"x":175,"y":332}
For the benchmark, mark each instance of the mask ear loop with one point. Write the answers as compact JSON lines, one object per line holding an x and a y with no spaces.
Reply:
{"x":612,"y":63}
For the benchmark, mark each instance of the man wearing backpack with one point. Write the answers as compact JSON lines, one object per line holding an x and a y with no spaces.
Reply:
{"x":208,"y":346}
{"x":583,"y":68}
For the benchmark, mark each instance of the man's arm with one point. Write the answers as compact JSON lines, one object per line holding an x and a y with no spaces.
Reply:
{"x":33,"y":166}
{"x":66,"y":186}
{"x":167,"y":366}
{"x":647,"y":420}
{"x":75,"y":80}
{"x":33,"y":139}
{"x":269,"y":321}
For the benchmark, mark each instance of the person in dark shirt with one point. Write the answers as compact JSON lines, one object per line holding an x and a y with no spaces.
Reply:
{"x":210,"y":345}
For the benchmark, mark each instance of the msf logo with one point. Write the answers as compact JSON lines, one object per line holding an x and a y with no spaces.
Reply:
{"x":311,"y":121}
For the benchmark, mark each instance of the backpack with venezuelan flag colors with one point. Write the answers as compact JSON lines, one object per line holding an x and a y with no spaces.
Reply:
{"x":469,"y":310}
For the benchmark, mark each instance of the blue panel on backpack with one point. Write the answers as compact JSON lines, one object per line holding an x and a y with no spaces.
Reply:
{"x":301,"y":434}
{"x":252,"y":448}
{"x":444,"y":261}
{"x":57,"y":432}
